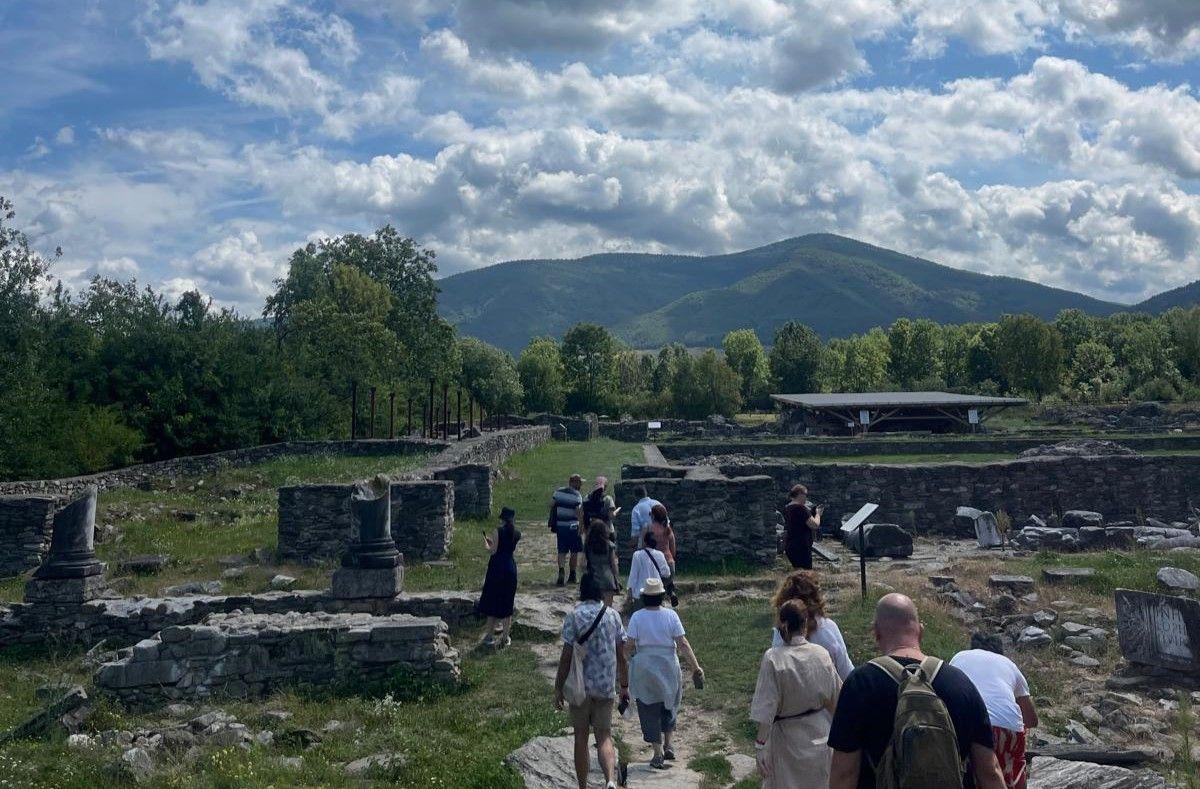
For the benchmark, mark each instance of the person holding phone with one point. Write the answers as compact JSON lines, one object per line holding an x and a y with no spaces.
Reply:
{"x":801,"y":523}
{"x":500,"y":583}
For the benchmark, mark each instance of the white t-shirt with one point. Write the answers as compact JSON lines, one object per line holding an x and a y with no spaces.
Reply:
{"x":998,"y":681}
{"x":651,"y":628}
{"x":642,"y":569}
{"x":828,"y":635}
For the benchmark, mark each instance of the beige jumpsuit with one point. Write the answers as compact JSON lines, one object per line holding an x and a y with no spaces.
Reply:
{"x":794,"y":679}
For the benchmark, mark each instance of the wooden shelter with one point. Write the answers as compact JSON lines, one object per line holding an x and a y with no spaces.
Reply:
{"x":869,"y":412}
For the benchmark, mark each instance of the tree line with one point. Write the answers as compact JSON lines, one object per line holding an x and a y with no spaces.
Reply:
{"x":118,"y":373}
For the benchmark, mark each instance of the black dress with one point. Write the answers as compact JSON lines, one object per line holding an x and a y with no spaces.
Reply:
{"x":500,"y":583}
{"x":798,"y":537}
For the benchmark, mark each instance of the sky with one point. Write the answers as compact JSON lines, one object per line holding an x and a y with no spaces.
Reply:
{"x":194,"y":145}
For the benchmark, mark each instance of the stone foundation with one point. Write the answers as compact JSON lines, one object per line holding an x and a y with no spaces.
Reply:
{"x":714,"y":517}
{"x":241,"y":655}
{"x":423,"y":518}
{"x":472,"y":489}
{"x":25,"y":523}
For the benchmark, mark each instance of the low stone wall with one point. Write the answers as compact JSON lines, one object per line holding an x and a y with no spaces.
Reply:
{"x":194,"y":465}
{"x":315,"y":526}
{"x":924,"y":497}
{"x":25,"y":526}
{"x":573,"y":428}
{"x":122,"y":622}
{"x":423,"y":518}
{"x":472,"y":489}
{"x":250,"y":655}
{"x":633,"y":432}
{"x":931,"y":445}
{"x":713,"y":518}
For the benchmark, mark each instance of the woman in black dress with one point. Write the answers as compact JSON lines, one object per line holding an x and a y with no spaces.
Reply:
{"x":500,"y":583}
{"x":801,"y":525}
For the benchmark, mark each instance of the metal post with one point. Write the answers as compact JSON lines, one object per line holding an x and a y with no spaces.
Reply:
{"x":353,"y":410}
{"x":429,"y":412}
{"x":458,"y":415}
{"x":445,"y":412}
{"x":391,"y":415}
{"x":862,"y":558}
{"x":371,"y":429}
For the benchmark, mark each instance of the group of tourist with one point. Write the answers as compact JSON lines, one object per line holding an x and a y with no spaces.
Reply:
{"x":902,"y":719}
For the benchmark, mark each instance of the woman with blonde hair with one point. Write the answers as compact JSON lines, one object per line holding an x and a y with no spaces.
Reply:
{"x":803,"y":585}
{"x":794,"y":699}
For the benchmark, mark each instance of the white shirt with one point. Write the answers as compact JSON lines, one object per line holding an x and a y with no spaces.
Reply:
{"x":655,"y":628}
{"x":828,"y":635}
{"x":642,"y":569}
{"x":999,"y":682}
{"x":639,"y":518}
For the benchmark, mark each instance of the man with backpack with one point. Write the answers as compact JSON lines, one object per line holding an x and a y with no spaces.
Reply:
{"x":594,"y":634}
{"x":566,"y":508}
{"x":909,"y":721}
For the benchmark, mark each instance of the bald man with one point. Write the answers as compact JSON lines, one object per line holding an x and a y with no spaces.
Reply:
{"x":866,"y":708}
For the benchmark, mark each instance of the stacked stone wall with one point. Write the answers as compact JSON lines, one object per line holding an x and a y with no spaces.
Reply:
{"x":423,"y":518}
{"x":713,"y":518}
{"x":923,"y":497}
{"x":570,"y":428}
{"x":25,"y":526}
{"x":250,"y":655}
{"x":931,"y":445}
{"x":472,"y":488}
{"x":633,"y":432}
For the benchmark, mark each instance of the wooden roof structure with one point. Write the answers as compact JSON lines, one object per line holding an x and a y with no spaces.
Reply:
{"x":862,"y":412}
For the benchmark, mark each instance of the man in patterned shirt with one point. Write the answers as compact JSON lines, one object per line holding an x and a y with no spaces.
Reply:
{"x":604,"y":667}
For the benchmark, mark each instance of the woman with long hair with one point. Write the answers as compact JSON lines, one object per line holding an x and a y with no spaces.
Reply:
{"x":664,"y":535}
{"x":600,"y":558}
{"x":500,"y":583}
{"x":794,"y":700}
{"x":804,"y":586}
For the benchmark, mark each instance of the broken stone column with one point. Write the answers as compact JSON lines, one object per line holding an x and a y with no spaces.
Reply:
{"x":371,"y":567}
{"x":71,"y":572}
{"x":983,"y":525}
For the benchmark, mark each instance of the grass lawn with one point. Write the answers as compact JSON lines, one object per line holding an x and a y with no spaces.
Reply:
{"x":1114,"y":569}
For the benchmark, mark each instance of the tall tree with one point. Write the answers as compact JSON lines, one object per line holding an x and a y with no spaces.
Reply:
{"x":703,"y":386}
{"x":795,"y":358}
{"x":589,"y":361}
{"x":1184,"y":328}
{"x":1029,"y":354}
{"x":914,"y":350}
{"x":744,"y":353}
{"x":490,"y":375}
{"x":540,"y":369}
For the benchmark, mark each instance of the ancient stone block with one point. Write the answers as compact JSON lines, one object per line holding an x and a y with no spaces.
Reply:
{"x":472,"y":489}
{"x":1076,"y":519}
{"x":1016,"y":584}
{"x":26,"y":523}
{"x":1058,"y":575}
{"x":352,"y":583}
{"x":1159,"y":630}
{"x":880,"y":539}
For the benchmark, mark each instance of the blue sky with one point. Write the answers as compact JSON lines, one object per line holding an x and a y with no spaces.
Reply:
{"x":195,"y":144}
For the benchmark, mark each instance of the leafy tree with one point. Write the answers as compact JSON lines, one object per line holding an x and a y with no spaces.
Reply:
{"x":795,"y":358}
{"x":744,"y":353}
{"x":589,"y":361}
{"x":703,"y":386}
{"x":954,"y":356}
{"x":858,"y":363}
{"x":490,"y":375}
{"x":669,"y":357}
{"x":914,"y":349}
{"x":1093,"y":375}
{"x":1184,"y":329}
{"x":540,"y":370}
{"x":1144,"y":351}
{"x":1077,"y":327}
{"x":1029,"y":354}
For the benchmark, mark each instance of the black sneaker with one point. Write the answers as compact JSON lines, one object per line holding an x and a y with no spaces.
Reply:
{"x":571,"y":580}
{"x":657,"y":763}
{"x":622,"y":774}
{"x":559,"y":582}
{"x":668,"y":754}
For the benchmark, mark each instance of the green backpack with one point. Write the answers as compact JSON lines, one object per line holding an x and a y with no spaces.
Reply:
{"x":923,"y":751}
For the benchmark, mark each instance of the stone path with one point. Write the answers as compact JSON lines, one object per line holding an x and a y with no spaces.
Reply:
{"x":548,"y":763}
{"x":654,"y":455}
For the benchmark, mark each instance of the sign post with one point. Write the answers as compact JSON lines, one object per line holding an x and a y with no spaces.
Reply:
{"x":857,"y":521}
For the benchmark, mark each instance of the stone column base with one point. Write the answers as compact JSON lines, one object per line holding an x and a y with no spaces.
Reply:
{"x":58,"y":591}
{"x":356,"y":583}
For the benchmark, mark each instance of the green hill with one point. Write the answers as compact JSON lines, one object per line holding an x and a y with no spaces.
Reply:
{"x":1183,"y":296}
{"x":836,"y":285}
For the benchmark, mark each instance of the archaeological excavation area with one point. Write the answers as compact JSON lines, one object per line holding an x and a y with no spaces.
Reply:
{"x":304,"y":614}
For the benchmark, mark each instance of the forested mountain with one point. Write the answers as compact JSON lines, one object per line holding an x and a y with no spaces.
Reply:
{"x":1183,"y":296}
{"x":837,"y":285}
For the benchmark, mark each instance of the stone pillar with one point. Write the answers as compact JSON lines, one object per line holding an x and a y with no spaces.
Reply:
{"x":71,"y":572}
{"x":371,"y":567}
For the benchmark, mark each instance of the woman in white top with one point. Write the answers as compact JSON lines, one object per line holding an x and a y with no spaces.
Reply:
{"x":802,"y":585}
{"x":655,"y":640}
{"x":647,"y":562}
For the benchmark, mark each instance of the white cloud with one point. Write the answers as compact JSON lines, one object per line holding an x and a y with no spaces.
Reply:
{"x":65,"y":136}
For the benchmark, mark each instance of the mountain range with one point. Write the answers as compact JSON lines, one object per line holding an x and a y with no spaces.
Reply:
{"x":836,"y":285}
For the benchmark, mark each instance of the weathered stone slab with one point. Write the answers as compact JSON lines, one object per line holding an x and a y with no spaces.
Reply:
{"x":1060,"y":575}
{"x":983,"y":526}
{"x":1076,"y":519}
{"x":42,"y":722}
{"x":1049,"y":773}
{"x":1016,"y":584}
{"x":356,"y":583}
{"x":881,"y":539}
{"x":1159,"y":630}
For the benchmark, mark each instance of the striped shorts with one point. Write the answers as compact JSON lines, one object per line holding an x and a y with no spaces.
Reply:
{"x":1010,"y":752}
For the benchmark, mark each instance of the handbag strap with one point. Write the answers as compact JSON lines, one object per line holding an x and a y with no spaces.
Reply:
{"x":595,"y":624}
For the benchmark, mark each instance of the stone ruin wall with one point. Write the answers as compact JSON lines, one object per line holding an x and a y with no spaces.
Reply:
{"x":923,"y":498}
{"x":713,"y":518}
{"x":243,"y":655}
{"x":25,"y":526}
{"x":315,"y":524}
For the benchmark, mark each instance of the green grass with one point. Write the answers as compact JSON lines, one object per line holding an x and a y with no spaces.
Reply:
{"x":1114,"y":570}
{"x":529,"y":478}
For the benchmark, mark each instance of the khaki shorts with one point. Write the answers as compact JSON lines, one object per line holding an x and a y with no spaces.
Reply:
{"x":593,"y":713}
